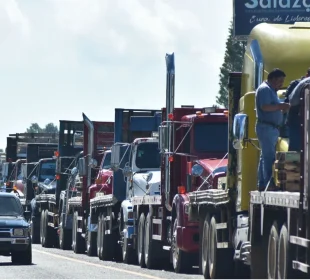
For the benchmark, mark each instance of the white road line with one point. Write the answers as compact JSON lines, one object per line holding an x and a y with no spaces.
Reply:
{"x":98,"y":265}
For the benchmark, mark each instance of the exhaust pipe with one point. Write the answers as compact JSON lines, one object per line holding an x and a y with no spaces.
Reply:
{"x":90,"y":148}
{"x":169,"y":109}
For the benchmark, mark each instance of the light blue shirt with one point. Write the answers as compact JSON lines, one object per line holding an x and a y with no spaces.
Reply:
{"x":266,"y":95}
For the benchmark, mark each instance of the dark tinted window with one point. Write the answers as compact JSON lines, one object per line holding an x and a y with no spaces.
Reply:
{"x":9,"y":206}
{"x":211,"y":137}
{"x":47,"y":170}
{"x":148,"y":155}
{"x":106,"y":164}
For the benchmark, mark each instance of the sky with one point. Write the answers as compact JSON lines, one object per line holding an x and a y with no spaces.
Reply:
{"x":59,"y":58}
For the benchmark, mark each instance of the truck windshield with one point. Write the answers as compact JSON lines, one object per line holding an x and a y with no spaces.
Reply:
{"x":106,"y":164}
{"x":9,"y":207}
{"x":148,"y":155}
{"x":211,"y":137}
{"x":47,"y":171}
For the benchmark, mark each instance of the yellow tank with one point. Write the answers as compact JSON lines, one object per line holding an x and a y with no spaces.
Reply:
{"x":269,"y":46}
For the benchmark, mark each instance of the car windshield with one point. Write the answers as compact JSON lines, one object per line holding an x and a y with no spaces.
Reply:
{"x":106,"y":164}
{"x":47,"y":170}
{"x":211,"y":137}
{"x":9,"y":206}
{"x":148,"y":155}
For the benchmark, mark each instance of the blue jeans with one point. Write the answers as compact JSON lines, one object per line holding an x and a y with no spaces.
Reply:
{"x":267,"y":137}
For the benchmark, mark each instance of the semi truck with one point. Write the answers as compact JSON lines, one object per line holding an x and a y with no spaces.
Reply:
{"x":236,"y":221}
{"x":109,"y":212}
{"x":75,"y":228}
{"x":45,"y":205}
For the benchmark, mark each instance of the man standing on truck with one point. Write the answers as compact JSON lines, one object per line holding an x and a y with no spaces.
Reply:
{"x":293,"y":116}
{"x":269,"y":119}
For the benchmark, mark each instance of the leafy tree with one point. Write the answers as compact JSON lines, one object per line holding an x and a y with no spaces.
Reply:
{"x":233,"y":61}
{"x":49,"y":128}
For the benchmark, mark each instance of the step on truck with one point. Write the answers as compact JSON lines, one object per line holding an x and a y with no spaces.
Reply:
{"x":76,"y":231}
{"x":45,"y":205}
{"x":237,"y":220}
{"x":109,"y":209}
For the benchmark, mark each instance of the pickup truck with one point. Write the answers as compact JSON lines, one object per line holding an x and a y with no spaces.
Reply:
{"x":15,"y":240}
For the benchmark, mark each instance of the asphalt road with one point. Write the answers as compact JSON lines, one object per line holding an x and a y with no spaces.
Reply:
{"x":58,"y":264}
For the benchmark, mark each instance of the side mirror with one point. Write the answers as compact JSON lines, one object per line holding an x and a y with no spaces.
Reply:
{"x":163,"y":135}
{"x":93,"y":163}
{"x":74,"y":171}
{"x":197,"y":170}
{"x":82,"y":167}
{"x":240,"y":131}
{"x":34,"y":179}
{"x":127,"y":171}
{"x":27,"y":215}
{"x":115,"y":157}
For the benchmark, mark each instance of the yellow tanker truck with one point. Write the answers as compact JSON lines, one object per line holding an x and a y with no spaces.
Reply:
{"x":243,"y":231}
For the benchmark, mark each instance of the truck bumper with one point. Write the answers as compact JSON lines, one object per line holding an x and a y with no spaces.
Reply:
{"x":188,"y":239}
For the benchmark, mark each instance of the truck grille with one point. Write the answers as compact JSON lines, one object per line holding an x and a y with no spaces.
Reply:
{"x":4,"y":233}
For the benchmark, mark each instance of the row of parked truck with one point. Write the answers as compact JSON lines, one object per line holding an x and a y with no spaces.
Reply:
{"x":177,"y":185}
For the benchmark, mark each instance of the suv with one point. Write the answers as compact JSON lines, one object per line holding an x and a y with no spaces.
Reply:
{"x":15,"y":237}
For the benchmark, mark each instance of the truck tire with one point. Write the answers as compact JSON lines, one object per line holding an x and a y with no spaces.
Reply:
{"x":272,"y":251}
{"x":35,"y":230}
{"x":106,"y":242}
{"x":140,"y":245}
{"x":78,"y":244}
{"x":42,"y":228}
{"x":65,"y":238}
{"x":217,"y":256}
{"x":181,"y":260}
{"x":48,"y":232}
{"x":205,"y":248}
{"x":149,"y":256}
{"x":91,"y":243}
{"x":284,"y":259}
{"x":99,"y":238}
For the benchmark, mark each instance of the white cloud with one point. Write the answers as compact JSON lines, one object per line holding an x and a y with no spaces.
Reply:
{"x":62,"y":57}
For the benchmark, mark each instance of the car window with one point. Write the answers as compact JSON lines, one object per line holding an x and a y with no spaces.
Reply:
{"x":9,"y":206}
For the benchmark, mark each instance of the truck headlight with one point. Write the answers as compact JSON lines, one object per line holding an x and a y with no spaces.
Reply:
{"x":19,"y":232}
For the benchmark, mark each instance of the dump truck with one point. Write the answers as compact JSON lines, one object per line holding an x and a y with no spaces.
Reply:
{"x":235,"y":219}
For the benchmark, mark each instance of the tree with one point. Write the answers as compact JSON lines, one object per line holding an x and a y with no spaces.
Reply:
{"x":233,"y":61}
{"x":49,"y":128}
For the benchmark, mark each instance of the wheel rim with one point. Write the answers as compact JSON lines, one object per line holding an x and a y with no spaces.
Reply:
{"x":272,"y":249}
{"x":124,"y":248}
{"x":146,"y":241}
{"x":282,"y":259}
{"x":98,"y":237}
{"x":174,"y":247}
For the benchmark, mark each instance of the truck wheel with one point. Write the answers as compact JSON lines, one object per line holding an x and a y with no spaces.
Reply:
{"x":24,"y":257}
{"x":148,"y":243}
{"x":107,"y":242}
{"x":35,"y":230}
{"x":99,"y":238}
{"x":65,"y":238}
{"x":48,"y":232}
{"x":272,"y":251}
{"x":91,"y":243}
{"x":42,"y":228}
{"x":205,"y":248}
{"x":181,"y":260}
{"x":78,"y":244}
{"x":216,"y":256}
{"x":127,"y":251}
{"x":140,"y":245}
{"x":284,"y":263}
